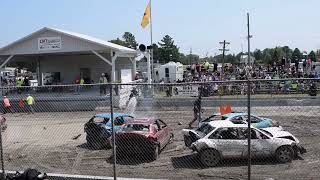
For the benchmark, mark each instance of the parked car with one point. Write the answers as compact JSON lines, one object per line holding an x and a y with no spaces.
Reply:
{"x":99,"y":128}
{"x":219,"y":140}
{"x":240,"y":117}
{"x":143,"y":136}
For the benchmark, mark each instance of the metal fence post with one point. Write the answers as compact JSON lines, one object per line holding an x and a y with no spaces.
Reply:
{"x":249,"y":128}
{"x":113,"y":135}
{"x":1,"y":153}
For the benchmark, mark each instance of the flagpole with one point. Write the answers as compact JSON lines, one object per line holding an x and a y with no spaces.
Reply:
{"x":152,"y":67}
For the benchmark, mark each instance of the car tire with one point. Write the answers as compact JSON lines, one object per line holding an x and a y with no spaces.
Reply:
{"x":284,"y":154}
{"x":210,"y":157}
{"x":187,"y":141}
{"x":155,"y":153}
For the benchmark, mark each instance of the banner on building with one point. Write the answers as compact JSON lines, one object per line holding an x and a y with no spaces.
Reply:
{"x":49,"y":43}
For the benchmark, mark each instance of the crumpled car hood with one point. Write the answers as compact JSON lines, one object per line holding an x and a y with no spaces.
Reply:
{"x":279,"y":133}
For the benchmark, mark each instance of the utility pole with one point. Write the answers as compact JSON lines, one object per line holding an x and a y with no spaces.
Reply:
{"x":190,"y":56}
{"x":249,"y":98}
{"x":224,"y":43}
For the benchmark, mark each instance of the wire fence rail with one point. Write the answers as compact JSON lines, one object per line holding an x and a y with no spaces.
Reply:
{"x":164,"y":131}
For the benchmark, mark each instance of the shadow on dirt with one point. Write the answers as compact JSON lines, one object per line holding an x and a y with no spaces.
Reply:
{"x":192,"y":161}
{"x":91,"y":147}
{"x":131,"y":159}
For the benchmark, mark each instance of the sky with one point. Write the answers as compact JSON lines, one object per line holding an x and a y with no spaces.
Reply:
{"x":193,"y":24}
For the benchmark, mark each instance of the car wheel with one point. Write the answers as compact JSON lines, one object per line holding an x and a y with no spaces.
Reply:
{"x":187,"y":141}
{"x":210,"y":157}
{"x":284,"y":154}
{"x":155,"y":153}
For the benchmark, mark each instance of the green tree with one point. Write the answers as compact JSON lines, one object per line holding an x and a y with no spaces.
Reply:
{"x":277,"y":54}
{"x":266,"y":56}
{"x":257,"y":54}
{"x":312,"y":56}
{"x":287,"y":52}
{"x":128,"y":40}
{"x":168,"y":50}
{"x":296,"y":55}
{"x":119,"y":42}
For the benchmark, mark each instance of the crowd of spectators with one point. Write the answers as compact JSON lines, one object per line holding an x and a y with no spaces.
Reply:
{"x":202,"y":73}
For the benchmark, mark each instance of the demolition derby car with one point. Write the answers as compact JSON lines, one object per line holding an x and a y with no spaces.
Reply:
{"x":143,"y":136}
{"x":239,"y":118}
{"x":99,"y":128}
{"x":219,"y":140}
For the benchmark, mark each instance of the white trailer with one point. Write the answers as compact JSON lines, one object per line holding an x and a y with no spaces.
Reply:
{"x":171,"y":71}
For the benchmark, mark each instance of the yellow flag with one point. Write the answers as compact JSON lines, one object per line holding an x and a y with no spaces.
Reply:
{"x":146,"y":17}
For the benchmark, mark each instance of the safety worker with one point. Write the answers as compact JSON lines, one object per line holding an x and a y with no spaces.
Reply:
{"x":30,"y":103}
{"x":81,"y":83}
{"x":19,"y":84}
{"x":206,"y":66}
{"x":196,"y":111}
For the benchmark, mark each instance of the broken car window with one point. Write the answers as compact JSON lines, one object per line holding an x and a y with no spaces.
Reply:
{"x":137,"y":127}
{"x":100,"y":120}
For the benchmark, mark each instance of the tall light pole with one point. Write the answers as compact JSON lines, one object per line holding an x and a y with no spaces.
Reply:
{"x":249,"y":98}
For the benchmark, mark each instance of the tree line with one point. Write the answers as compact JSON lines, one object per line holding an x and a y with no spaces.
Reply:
{"x":166,"y":50}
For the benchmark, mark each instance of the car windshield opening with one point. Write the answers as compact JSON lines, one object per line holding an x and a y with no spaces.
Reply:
{"x":205,"y":129}
{"x":269,"y":134}
{"x":100,"y":120}
{"x":137,"y":127}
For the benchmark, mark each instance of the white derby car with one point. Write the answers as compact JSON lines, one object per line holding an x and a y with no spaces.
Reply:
{"x":218,"y":140}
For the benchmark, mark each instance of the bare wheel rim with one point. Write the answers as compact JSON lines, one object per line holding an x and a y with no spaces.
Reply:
{"x":285,"y":154}
{"x":210,"y":157}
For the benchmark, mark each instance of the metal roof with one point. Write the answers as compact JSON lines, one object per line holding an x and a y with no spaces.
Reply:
{"x":223,"y":123}
{"x":78,"y":36}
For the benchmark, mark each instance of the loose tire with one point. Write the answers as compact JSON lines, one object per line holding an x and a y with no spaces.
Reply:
{"x":284,"y":154}
{"x":210,"y":157}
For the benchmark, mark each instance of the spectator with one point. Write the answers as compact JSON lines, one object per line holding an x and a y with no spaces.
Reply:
{"x":103,"y":84}
{"x":7,"y":105}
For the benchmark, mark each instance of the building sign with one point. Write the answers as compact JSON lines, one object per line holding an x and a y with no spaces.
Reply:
{"x":49,"y":43}
{"x":186,"y":91}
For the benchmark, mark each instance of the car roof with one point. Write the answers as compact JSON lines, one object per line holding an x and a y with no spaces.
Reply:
{"x":141,"y":121}
{"x":234,"y":114}
{"x":108,"y":115}
{"x":222,"y":123}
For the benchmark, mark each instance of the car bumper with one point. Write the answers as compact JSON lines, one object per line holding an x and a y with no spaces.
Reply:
{"x":301,"y":149}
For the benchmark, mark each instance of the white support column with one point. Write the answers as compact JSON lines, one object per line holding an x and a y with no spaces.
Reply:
{"x":149,"y":68}
{"x":6,"y":61}
{"x":134,"y":67}
{"x":113,"y":71}
{"x":38,"y":71}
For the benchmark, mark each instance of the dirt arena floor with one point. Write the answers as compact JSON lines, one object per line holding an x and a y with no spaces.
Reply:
{"x":46,"y":141}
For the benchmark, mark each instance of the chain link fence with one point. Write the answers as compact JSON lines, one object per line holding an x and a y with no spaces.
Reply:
{"x":165,"y":131}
